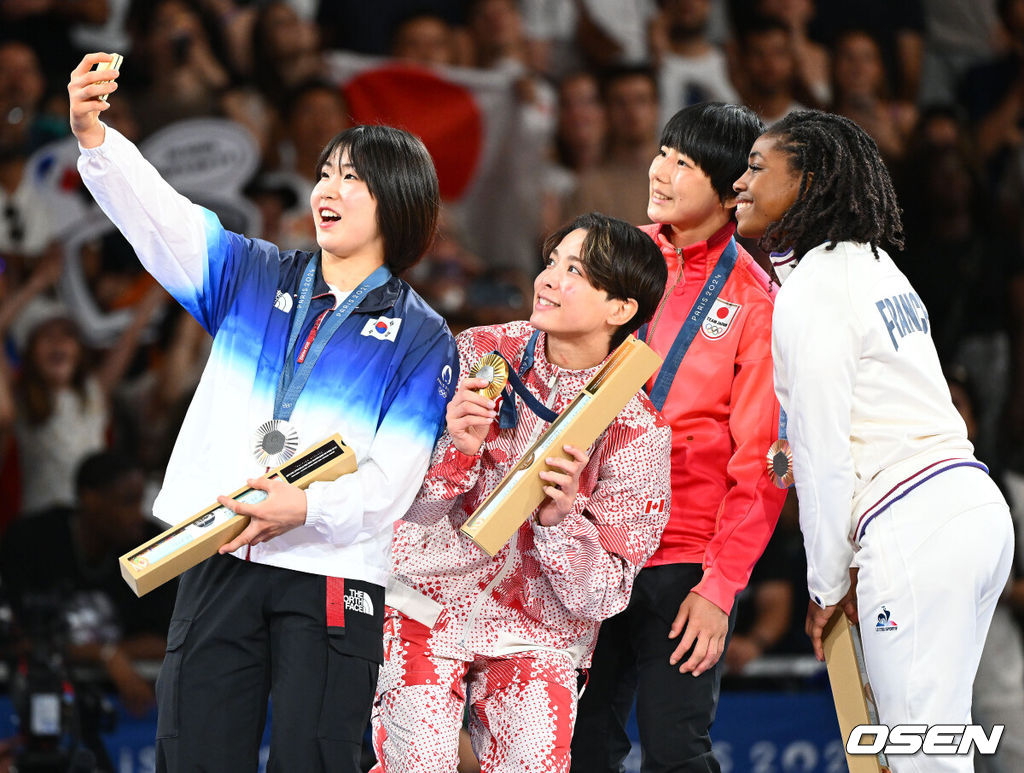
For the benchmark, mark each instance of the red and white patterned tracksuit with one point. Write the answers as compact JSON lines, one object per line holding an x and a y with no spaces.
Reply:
{"x":509,"y":632}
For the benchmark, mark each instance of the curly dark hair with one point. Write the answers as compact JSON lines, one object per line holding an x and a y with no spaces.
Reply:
{"x":845,"y":192}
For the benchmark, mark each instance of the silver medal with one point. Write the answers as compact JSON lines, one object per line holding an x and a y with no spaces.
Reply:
{"x":274,"y":442}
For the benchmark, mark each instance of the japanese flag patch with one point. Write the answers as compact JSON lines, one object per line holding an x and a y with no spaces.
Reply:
{"x":716,"y":323}
{"x":384,"y":328}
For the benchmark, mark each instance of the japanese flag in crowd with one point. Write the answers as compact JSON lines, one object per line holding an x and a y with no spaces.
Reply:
{"x":471,"y":122}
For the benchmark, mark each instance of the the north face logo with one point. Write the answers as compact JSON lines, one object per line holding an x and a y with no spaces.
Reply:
{"x":358,"y":601}
{"x":283,"y":301}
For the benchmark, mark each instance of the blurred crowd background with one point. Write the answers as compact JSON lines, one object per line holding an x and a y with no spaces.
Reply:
{"x":535,"y":110}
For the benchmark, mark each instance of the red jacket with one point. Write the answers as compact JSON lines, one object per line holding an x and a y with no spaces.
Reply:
{"x":549,"y":587}
{"x":724,"y":416}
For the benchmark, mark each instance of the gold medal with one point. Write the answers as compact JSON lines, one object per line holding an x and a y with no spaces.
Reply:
{"x":495,"y":370}
{"x":780,"y":463}
{"x":274,"y":442}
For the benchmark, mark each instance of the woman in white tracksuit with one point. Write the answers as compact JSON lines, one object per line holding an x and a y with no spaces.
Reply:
{"x":887,"y":480}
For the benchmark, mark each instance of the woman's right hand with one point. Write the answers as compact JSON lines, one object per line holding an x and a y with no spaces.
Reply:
{"x":469,"y":416}
{"x":84,"y":91}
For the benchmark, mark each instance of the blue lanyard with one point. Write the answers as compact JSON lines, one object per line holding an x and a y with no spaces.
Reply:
{"x":508,"y":417}
{"x":685,"y":336}
{"x":293,"y":378}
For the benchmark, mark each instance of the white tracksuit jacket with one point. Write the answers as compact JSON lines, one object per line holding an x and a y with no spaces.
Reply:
{"x":869,"y":410}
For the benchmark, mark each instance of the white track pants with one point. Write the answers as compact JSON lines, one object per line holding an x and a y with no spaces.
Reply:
{"x":931,"y":570}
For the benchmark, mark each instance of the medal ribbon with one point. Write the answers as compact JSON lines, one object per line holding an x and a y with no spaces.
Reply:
{"x":293,"y":378}
{"x":712,"y":287}
{"x":508,"y":417}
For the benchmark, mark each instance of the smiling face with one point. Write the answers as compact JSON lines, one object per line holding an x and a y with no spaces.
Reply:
{"x":568,"y":307}
{"x":766,"y":190}
{"x":55,"y":352}
{"x":344,"y":212}
{"x":682,"y":196}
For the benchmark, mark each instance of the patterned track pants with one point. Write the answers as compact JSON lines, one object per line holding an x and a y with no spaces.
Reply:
{"x":521,"y":709}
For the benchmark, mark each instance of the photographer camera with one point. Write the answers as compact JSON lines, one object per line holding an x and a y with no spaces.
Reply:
{"x":69,"y":556}
{"x":58,"y":730}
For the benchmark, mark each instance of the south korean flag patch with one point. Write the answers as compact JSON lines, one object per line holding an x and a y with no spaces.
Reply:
{"x":384,"y":328}
{"x":716,"y":323}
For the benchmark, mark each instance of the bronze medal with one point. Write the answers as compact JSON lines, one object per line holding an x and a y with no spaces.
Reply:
{"x":780,"y":463}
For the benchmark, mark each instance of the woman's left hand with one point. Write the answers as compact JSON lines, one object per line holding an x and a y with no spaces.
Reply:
{"x":282,"y":510}
{"x":563,"y":482}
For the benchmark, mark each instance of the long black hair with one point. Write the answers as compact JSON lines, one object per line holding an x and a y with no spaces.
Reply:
{"x":845,"y":192}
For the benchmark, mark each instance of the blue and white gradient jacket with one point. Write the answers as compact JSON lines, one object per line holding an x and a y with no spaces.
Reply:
{"x":385,"y":393}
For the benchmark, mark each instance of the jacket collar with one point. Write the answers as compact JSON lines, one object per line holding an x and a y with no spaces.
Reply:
{"x":545,"y":370}
{"x":700,"y":254}
{"x":379,"y":299}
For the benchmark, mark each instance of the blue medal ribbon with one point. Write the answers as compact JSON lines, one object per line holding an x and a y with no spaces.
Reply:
{"x":293,"y":377}
{"x":712,"y":287}
{"x":508,"y":417}
{"x":780,"y":456}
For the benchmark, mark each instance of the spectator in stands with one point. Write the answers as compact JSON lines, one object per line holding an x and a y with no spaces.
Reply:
{"x":496,"y":30}
{"x":897,"y":27}
{"x":26,"y":225}
{"x":369,"y":28}
{"x":766,"y":69}
{"x":499,"y":45}
{"x":285,"y":50}
{"x":860,"y":92}
{"x":618,"y":185}
{"x":448,"y":274}
{"x":71,"y":551}
{"x":813,"y":65}
{"x":425,"y":38}
{"x":959,"y":36}
{"x":183,"y":77}
{"x":993,"y":92}
{"x":691,"y":68}
{"x":46,"y":28}
{"x":579,"y":143}
{"x":564,"y":36}
{"x":961,"y":260}
{"x":62,"y":396}
{"x":22,"y":87}
{"x":312,"y":114}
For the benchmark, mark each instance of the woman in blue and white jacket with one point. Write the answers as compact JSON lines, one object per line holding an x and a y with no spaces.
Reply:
{"x":296,"y":610}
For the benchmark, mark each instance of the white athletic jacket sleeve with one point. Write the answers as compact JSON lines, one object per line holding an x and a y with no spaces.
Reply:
{"x":816,"y":346}
{"x":167,"y":230}
{"x":382,"y":382}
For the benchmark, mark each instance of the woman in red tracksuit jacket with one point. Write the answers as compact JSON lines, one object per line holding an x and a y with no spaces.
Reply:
{"x":713,"y":327}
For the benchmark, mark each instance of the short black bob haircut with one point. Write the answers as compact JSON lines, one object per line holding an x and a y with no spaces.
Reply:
{"x":717,"y":137}
{"x":620,"y":259}
{"x":400,"y":174}
{"x":845,"y":193}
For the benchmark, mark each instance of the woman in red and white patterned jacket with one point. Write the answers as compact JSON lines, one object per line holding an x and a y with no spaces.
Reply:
{"x":512,"y":630}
